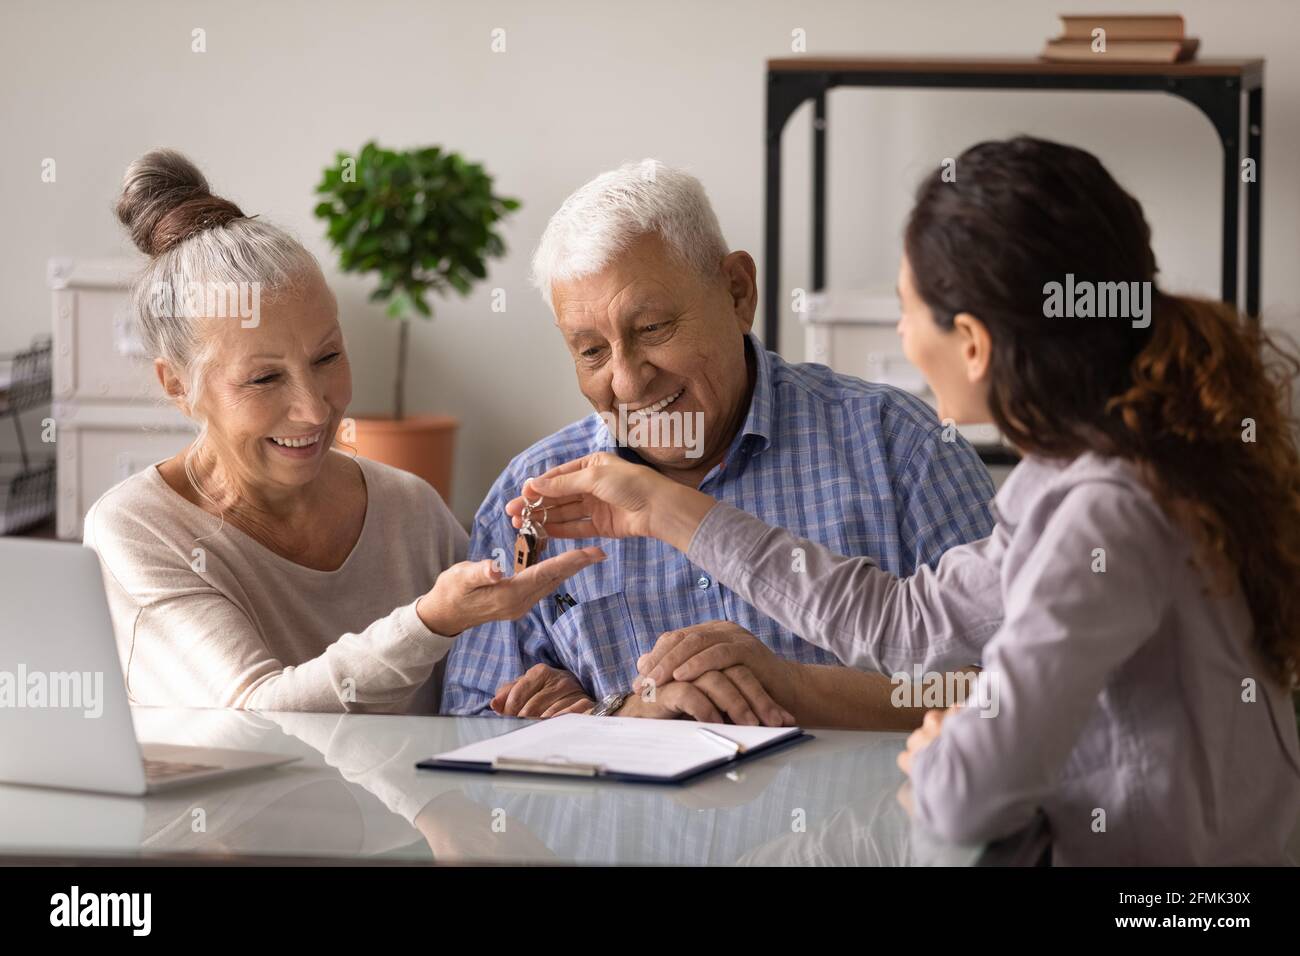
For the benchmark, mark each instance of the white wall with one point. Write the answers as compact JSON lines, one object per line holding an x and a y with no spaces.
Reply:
{"x":581,"y":87}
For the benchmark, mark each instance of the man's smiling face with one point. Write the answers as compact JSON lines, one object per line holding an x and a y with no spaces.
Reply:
{"x":649,"y":333}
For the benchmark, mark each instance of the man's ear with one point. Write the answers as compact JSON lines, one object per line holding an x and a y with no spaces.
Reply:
{"x":172,"y":385}
{"x":976,"y":346}
{"x":741,"y":275}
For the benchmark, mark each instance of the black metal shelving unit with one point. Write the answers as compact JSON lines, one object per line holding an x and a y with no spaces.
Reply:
{"x":1216,"y":87}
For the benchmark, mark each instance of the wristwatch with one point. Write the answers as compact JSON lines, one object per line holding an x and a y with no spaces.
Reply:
{"x":609,"y":704}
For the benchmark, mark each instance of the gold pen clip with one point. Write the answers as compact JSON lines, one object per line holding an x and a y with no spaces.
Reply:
{"x":546,"y":765}
{"x":735,"y":746}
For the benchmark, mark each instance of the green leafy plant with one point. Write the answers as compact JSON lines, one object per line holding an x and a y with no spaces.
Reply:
{"x":423,"y":220}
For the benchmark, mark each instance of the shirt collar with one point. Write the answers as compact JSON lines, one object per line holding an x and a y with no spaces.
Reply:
{"x":758,"y":421}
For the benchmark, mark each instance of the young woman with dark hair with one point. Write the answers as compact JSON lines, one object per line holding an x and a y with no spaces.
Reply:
{"x":1135,"y":611}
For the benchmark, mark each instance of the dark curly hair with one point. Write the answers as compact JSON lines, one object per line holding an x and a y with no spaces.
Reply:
{"x":1176,"y":397}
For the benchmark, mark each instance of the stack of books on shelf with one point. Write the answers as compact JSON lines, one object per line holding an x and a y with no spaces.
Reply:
{"x":1121,"y":38}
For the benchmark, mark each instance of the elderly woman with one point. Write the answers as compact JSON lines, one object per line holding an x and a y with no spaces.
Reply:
{"x":259,"y":568}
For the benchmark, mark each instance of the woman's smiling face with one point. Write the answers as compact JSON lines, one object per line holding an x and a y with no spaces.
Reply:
{"x":273,"y":394}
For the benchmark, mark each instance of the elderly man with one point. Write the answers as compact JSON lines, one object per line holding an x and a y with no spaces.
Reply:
{"x":656,"y":313}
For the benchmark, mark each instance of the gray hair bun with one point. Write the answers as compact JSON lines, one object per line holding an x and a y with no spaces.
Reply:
{"x":165,"y":200}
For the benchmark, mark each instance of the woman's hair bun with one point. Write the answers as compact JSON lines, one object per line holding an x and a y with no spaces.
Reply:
{"x":165,"y":200}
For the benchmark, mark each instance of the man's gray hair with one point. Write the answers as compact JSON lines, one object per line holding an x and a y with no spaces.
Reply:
{"x":606,"y":215}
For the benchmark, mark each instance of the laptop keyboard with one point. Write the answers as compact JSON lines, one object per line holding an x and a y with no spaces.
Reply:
{"x":165,"y":769}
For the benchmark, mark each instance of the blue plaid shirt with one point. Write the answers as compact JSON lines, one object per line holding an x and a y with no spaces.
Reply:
{"x":859,"y":467}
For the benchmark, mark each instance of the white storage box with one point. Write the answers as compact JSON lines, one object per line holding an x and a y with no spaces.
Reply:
{"x":98,"y":446}
{"x":97,"y":356}
{"x":855,"y":332}
{"x":109,"y":414}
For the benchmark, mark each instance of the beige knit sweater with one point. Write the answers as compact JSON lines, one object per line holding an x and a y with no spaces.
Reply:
{"x":208,"y":618}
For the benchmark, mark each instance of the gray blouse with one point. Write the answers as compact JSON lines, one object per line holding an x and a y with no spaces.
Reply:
{"x":1119,"y":693}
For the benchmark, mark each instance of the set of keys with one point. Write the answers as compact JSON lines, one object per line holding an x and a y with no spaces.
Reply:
{"x":532,"y":536}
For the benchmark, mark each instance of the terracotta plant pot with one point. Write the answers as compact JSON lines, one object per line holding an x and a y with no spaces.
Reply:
{"x":421,"y":444}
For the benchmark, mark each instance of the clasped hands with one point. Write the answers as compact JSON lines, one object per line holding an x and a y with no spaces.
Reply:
{"x":716,"y":671}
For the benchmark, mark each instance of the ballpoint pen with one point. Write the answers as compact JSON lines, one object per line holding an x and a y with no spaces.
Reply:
{"x":733,"y":745}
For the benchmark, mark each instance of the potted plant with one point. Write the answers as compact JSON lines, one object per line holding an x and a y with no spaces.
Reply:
{"x":423,"y":220}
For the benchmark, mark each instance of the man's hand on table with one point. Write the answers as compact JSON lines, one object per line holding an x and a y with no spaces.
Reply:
{"x":543,"y":691}
{"x":691,"y":654}
{"x":733,"y":695}
{"x":722,"y":692}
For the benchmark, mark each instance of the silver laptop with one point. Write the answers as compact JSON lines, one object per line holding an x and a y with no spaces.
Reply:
{"x":64,"y":716}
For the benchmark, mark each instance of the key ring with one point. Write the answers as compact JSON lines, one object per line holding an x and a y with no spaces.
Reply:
{"x":532,"y":536}
{"x":529,"y":508}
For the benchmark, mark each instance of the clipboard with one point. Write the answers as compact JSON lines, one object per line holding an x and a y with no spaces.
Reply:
{"x":624,"y":749}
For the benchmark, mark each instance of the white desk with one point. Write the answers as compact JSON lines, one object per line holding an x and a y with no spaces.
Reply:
{"x":355,"y":795}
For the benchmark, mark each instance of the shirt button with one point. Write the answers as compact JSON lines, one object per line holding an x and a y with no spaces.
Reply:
{"x":703,"y":583}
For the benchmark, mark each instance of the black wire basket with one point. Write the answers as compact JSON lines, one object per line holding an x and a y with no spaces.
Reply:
{"x":26,"y":494}
{"x":27,"y":482}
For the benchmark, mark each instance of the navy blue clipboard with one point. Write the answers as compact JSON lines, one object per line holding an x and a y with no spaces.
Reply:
{"x":570,"y":773}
